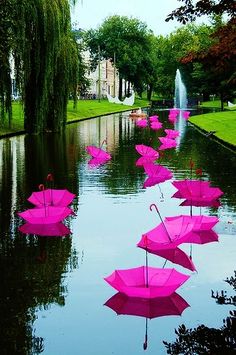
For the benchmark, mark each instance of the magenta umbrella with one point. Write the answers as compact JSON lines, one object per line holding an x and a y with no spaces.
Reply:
{"x":94,"y":162}
{"x":167,"y":143}
{"x":146,"y":282}
{"x":156,"y":174}
{"x":199,"y":222}
{"x":46,"y":215}
{"x":172,"y":118}
{"x":98,"y":153}
{"x":51,"y":197}
{"x":144,"y":160}
{"x":171,"y":133}
{"x":156,"y":125}
{"x":197,"y":192}
{"x":45,"y":230}
{"x":146,"y":151}
{"x":172,"y":305}
{"x":142,"y":123}
{"x":153,"y":118}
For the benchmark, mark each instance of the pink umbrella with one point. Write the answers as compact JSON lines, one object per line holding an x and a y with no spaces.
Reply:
{"x":175,"y":111}
{"x":186,"y":114}
{"x":199,"y":222}
{"x":172,"y":118}
{"x":47,"y":215}
{"x":51,"y":197}
{"x":45,"y":230}
{"x":172,"y":305}
{"x":167,"y":143}
{"x":156,"y":125}
{"x":153,"y":118}
{"x":144,"y":160}
{"x":98,"y":153}
{"x":171,"y":133}
{"x":146,"y":282}
{"x":142,"y":123}
{"x":197,"y":192}
{"x":147,"y":151}
{"x":156,"y":174}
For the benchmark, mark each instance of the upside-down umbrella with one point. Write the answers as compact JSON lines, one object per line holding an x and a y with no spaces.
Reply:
{"x":197,"y":193}
{"x":186,"y":114}
{"x":156,"y":174}
{"x":146,"y":282}
{"x":147,"y":151}
{"x":46,"y":215}
{"x":172,"y":305}
{"x":51,"y":197}
{"x":142,"y":123}
{"x":171,"y":133}
{"x":153,"y":118}
{"x":45,"y":230}
{"x":172,"y":118}
{"x":167,"y":143}
{"x":199,"y":222}
{"x":98,"y":152}
{"x":144,"y":160}
{"x":156,"y":125}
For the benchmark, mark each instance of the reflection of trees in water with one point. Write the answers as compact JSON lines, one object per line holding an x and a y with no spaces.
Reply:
{"x":32,"y":272}
{"x":204,"y":340}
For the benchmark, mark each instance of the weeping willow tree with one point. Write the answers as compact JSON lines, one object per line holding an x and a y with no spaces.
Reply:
{"x":45,"y":58}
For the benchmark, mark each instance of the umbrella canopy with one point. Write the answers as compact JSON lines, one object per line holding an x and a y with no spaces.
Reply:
{"x":167,"y":143}
{"x":156,"y":174}
{"x":153,"y":118}
{"x":142,"y":123}
{"x":155,"y":125}
{"x":96,"y":152}
{"x":199,"y":222}
{"x":51,"y":197}
{"x":45,"y":230}
{"x":171,"y":233}
{"x":146,"y":282}
{"x":171,"y":133}
{"x":143,"y":160}
{"x":197,"y":192}
{"x":146,"y":151}
{"x":173,"y":305}
{"x":46,"y":215}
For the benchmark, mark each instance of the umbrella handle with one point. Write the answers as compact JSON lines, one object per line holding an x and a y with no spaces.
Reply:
{"x":103,"y":142}
{"x":153,"y":205}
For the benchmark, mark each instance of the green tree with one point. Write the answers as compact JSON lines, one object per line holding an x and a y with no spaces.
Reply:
{"x":130,"y":40}
{"x":37,"y":35}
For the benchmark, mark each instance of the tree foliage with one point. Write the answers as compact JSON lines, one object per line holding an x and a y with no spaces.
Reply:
{"x":37,"y":35}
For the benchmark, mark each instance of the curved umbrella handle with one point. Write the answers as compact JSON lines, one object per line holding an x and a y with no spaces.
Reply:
{"x":155,"y":206}
{"x":103,"y":142}
{"x":41,"y":187}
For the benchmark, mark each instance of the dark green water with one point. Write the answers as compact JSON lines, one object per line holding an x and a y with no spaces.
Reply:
{"x":52,"y":289}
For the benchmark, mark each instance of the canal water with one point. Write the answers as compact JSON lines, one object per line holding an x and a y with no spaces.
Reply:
{"x":53,"y":291}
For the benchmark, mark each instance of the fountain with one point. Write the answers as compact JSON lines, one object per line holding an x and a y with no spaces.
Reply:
{"x":180,"y":99}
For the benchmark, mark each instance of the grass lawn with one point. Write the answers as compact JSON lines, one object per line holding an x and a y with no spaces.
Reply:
{"x":84,"y":109}
{"x":224,"y":123}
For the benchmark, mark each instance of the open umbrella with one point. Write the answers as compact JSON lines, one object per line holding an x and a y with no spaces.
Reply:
{"x":51,"y":197}
{"x":46,"y":215}
{"x":142,"y":123}
{"x":146,"y":282}
{"x":98,"y":153}
{"x":94,"y":162}
{"x":153,"y":118}
{"x":197,"y":193}
{"x":167,"y":143}
{"x":146,"y":151}
{"x":156,"y":125}
{"x":45,"y":230}
{"x":172,"y":305}
{"x":171,"y":133}
{"x":156,"y":174}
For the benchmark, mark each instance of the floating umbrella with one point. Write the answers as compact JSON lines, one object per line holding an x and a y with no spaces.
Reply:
{"x":94,"y":162}
{"x":146,"y":151}
{"x":197,"y":193}
{"x":153,"y":118}
{"x":45,"y":230}
{"x":98,"y":152}
{"x":146,"y":282}
{"x":167,"y":143}
{"x":156,"y":174}
{"x":47,"y":215}
{"x":51,"y":197}
{"x":199,"y":222}
{"x":155,"y":125}
{"x":172,"y":118}
{"x":172,"y":305}
{"x":142,"y":123}
{"x":143,"y":160}
{"x":171,"y":133}
{"x":186,"y":114}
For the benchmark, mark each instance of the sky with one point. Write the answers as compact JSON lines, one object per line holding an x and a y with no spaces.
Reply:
{"x":91,"y":13}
